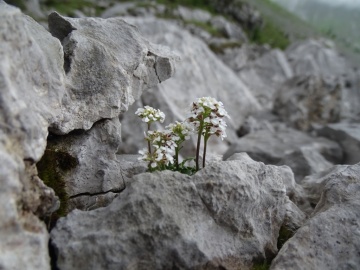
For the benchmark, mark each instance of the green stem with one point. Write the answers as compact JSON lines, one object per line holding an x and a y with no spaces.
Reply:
{"x":177,"y":158}
{"x":149,"y":144}
{"x":206,"y":137}
{"x":198,"y":144}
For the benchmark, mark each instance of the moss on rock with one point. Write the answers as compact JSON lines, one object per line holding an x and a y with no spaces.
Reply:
{"x":51,"y":168}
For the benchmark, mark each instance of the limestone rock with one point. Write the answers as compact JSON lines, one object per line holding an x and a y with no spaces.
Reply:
{"x":86,"y":161}
{"x":305,"y":101}
{"x":305,"y":161}
{"x":228,"y":215}
{"x":108,"y":64}
{"x":193,"y":14}
{"x":230,"y":30}
{"x":350,"y":99}
{"x":316,"y":57}
{"x":330,"y":239}
{"x":119,"y":9}
{"x":31,"y":89}
{"x":272,"y":146}
{"x":238,"y":58}
{"x":265,"y":75}
{"x":348,"y":136}
{"x":127,"y":166}
{"x":31,"y":67}
{"x":208,"y":76}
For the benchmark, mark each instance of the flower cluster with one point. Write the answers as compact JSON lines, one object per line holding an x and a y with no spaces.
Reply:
{"x":207,"y":114}
{"x":181,"y":131}
{"x":149,"y":114}
{"x":164,"y":149}
{"x":206,"y":119}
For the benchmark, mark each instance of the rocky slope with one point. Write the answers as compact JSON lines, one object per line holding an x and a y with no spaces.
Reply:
{"x":68,"y":97}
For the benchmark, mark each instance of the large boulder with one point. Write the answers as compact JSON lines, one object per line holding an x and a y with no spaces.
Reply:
{"x":108,"y":64}
{"x":347,"y":135}
{"x":86,"y":163}
{"x":307,"y":100}
{"x":31,"y":89}
{"x":316,"y":57}
{"x":305,"y":160}
{"x":271,"y":146}
{"x":330,"y":239}
{"x":228,"y":215}
{"x":36,"y":94}
{"x":265,"y":74}
{"x":200,"y":73}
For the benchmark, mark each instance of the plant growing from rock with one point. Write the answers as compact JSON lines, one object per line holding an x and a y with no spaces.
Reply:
{"x":205,"y":119}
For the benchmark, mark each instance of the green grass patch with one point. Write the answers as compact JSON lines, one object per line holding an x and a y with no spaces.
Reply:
{"x":269,"y":34}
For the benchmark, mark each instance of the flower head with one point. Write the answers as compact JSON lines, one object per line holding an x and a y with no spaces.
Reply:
{"x":210,"y":112}
{"x":181,"y":131}
{"x":164,"y":148}
{"x":149,"y":114}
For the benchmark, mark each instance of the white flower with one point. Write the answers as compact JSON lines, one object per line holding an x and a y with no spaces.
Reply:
{"x":180,"y":131}
{"x":149,"y":114}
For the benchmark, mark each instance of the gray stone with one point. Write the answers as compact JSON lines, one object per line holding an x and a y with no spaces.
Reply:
{"x":208,"y":76}
{"x":263,"y":120}
{"x":128,"y":166}
{"x":330,"y":239}
{"x":316,"y":57}
{"x":34,"y":9}
{"x":31,"y":81}
{"x":305,"y":161}
{"x":348,"y":136}
{"x":307,"y":100}
{"x":272,"y":146}
{"x":188,"y":14}
{"x":238,"y":58}
{"x":264,"y":76}
{"x":108,"y":64}
{"x":229,"y":29}
{"x":227,"y":215}
{"x":31,"y":89}
{"x":119,"y":9}
{"x":91,"y":166}
{"x":350,"y":96}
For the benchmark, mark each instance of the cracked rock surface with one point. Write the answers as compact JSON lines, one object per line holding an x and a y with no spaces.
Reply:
{"x":31,"y":88}
{"x":330,"y":239}
{"x":108,"y":64}
{"x":227,"y":215}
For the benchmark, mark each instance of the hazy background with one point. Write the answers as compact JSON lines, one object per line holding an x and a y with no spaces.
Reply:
{"x":338,"y":19}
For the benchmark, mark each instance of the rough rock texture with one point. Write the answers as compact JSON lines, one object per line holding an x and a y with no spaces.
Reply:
{"x":305,"y":161}
{"x":271,"y":146}
{"x":108,"y":64}
{"x":31,"y":88}
{"x":86,"y":161}
{"x":209,"y":77}
{"x":330,"y":239}
{"x":350,"y":99}
{"x":265,"y":75}
{"x":193,"y":14}
{"x":304,"y":101}
{"x":348,"y":136}
{"x":127,"y":166}
{"x":168,"y":220}
{"x":35,"y":95}
{"x":228,"y":29}
{"x":316,"y":57}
